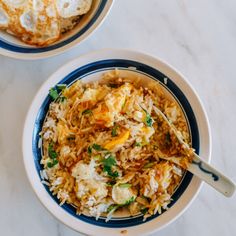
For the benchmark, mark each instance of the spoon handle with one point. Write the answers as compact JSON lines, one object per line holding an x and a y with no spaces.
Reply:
{"x":201,"y":168}
{"x":210,"y":175}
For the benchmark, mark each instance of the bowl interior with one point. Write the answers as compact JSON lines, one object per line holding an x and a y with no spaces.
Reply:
{"x":11,"y":43}
{"x":147,"y":76}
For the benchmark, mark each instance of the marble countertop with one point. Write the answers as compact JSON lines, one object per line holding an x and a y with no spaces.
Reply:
{"x":196,"y":37}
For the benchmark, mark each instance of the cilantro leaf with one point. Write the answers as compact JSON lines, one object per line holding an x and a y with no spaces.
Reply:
{"x":107,"y":166}
{"x":110,"y":161}
{"x":97,"y":158}
{"x":61,"y":98}
{"x":61,"y":86}
{"x":148,"y":119}
{"x":132,"y":199}
{"x":109,"y":171}
{"x":137,"y":144}
{"x":113,"y":207}
{"x":97,"y":147}
{"x":144,"y":210}
{"x":114,"y":131}
{"x":51,"y":152}
{"x":89,"y":150}
{"x":53,"y":155}
{"x":126,"y":185}
{"x":111,"y":183}
{"x":53,"y":93}
{"x":87,"y":111}
{"x":49,"y":165}
{"x":149,"y":165}
{"x":53,"y":163}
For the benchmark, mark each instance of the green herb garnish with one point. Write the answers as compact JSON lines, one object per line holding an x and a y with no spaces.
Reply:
{"x":111,"y":183}
{"x":109,"y":171}
{"x":89,"y":150}
{"x":61,"y":98}
{"x":108,"y":163}
{"x":53,"y":155}
{"x":137,"y":144}
{"x":53,"y":93}
{"x":61,"y":86}
{"x":97,"y":157}
{"x":114,"y":131}
{"x":148,"y":119}
{"x":149,"y":165}
{"x":132,"y":199}
{"x":123,"y":105}
{"x":97,"y":147}
{"x":49,"y":165}
{"x":144,"y":210}
{"x":53,"y":163}
{"x":51,"y":152}
{"x":126,"y":185}
{"x":86,"y":112}
{"x":112,"y":208}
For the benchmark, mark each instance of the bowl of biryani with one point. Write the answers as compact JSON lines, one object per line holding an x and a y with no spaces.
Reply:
{"x":32,"y":29}
{"x":93,"y":143}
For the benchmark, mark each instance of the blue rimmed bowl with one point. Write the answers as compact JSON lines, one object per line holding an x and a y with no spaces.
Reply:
{"x":13,"y":47}
{"x":89,"y":68}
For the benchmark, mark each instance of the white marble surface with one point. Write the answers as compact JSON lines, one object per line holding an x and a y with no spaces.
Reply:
{"x":199,"y":39}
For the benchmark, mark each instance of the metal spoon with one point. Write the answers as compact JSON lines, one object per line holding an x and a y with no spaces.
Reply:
{"x":199,"y":167}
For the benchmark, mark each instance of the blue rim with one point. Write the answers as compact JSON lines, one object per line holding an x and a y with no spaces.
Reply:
{"x":11,"y":47}
{"x":106,"y":65}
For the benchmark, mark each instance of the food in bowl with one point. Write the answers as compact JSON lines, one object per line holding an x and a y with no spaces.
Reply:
{"x":41,"y":22}
{"x":144,"y":71}
{"x":102,"y":147}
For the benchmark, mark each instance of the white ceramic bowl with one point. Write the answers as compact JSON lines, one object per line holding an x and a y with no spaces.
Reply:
{"x":13,"y":47}
{"x":87,"y":68}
